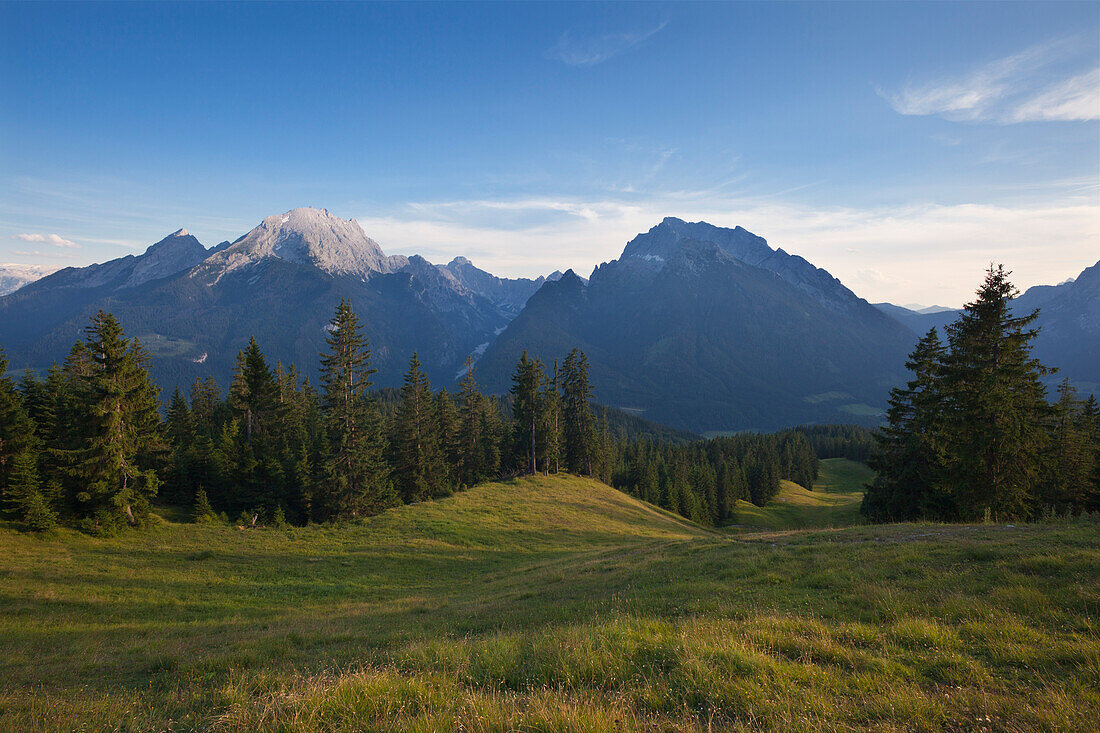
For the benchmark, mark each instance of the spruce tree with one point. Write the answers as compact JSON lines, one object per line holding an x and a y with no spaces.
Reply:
{"x":122,"y":437}
{"x":179,"y":429}
{"x":578,"y":422}
{"x":447,"y":425}
{"x":416,"y":447}
{"x":528,"y":412}
{"x":995,"y":433}
{"x":909,"y":461}
{"x":252,"y":393}
{"x":471,"y":435}
{"x":1068,"y":465}
{"x":17,"y":431}
{"x":552,"y":420}
{"x":356,"y":476}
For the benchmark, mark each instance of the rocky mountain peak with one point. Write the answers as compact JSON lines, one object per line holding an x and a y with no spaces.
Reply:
{"x":306,"y":236}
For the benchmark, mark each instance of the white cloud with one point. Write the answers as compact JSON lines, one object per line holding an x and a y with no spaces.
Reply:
{"x":595,"y":49}
{"x":1077,"y":98}
{"x":51,"y":239}
{"x":1019,"y":88}
{"x":920,"y":253}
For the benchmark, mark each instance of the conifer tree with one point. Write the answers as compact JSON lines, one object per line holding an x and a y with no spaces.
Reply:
{"x":252,"y":393}
{"x":910,"y":456}
{"x":528,"y":411}
{"x":179,"y":429}
{"x":471,"y":435}
{"x":17,"y":431}
{"x":122,"y":437}
{"x":552,"y":419}
{"x":356,"y":475}
{"x":416,"y":447}
{"x":1067,"y":467}
{"x":447,"y":425}
{"x":578,"y":422}
{"x":995,"y":435}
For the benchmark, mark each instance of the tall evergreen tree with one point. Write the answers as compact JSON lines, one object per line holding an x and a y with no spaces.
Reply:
{"x":578,"y":422}
{"x":122,"y":438}
{"x":471,"y":435}
{"x":528,"y":411}
{"x":552,"y":419}
{"x":252,"y":393}
{"x":356,"y":474}
{"x":416,"y":446}
{"x":447,"y":426}
{"x":997,"y":405}
{"x":1068,"y":465}
{"x":910,"y":457}
{"x":17,"y":431}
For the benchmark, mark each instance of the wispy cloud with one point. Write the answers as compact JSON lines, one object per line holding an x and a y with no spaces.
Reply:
{"x":1031,"y":86}
{"x":1076,"y":98}
{"x":38,"y":253}
{"x":51,"y":239}
{"x":589,"y":50}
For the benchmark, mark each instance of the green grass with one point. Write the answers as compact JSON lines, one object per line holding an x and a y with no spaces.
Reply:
{"x":834,"y":501}
{"x":551,"y":604}
{"x":841,"y":476}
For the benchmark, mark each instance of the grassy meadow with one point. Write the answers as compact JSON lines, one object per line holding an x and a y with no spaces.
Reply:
{"x":833,"y":502}
{"x":555,"y":604}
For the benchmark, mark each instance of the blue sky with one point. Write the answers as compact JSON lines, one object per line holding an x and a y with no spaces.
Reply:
{"x":901,"y":146}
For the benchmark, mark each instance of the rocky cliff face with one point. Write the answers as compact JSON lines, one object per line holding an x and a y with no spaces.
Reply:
{"x":508,"y":294}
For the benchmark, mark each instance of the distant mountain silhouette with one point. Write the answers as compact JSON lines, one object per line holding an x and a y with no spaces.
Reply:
{"x":709,"y":329}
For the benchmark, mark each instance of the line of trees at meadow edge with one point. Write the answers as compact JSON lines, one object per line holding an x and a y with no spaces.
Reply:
{"x":972,"y":435}
{"x":87,"y":444}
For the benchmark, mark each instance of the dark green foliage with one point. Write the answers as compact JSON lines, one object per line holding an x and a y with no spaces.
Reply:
{"x":910,"y":460}
{"x":995,"y":433}
{"x":480,"y":432}
{"x":118,"y":438}
{"x":704,"y":480}
{"x":578,"y":422}
{"x":202,"y":511}
{"x":37,"y":513}
{"x":355,"y":477}
{"x":527,"y":413}
{"x":16,"y":428}
{"x":972,"y":435}
{"x":854,"y":442}
{"x":416,"y":452}
{"x":22,"y":484}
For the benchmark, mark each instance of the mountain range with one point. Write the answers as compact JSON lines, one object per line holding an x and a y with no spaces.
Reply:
{"x":699,"y":327}
{"x":194,"y":308}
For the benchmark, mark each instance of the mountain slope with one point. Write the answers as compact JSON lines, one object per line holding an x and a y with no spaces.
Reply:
{"x":686,"y":334}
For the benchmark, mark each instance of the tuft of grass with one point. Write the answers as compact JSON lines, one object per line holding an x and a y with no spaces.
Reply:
{"x":552,"y":604}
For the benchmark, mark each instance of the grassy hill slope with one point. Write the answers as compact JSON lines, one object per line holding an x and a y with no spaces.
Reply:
{"x":550,"y":604}
{"x":833,"y":502}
